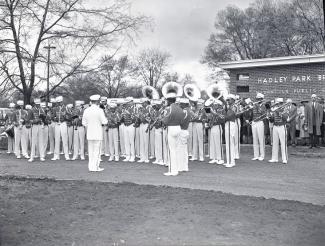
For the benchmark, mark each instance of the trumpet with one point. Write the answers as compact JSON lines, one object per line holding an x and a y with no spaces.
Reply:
{"x":278,"y":108}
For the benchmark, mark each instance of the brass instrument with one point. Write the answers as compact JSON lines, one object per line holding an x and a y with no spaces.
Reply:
{"x":213,"y":91}
{"x":172,"y":87}
{"x":161,"y":114}
{"x":150,"y":92}
{"x":192,"y":92}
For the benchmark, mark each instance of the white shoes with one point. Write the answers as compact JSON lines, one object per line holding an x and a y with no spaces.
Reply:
{"x":171,"y":174}
{"x":146,"y":161}
{"x":82,"y":158}
{"x":260,"y":158}
{"x":131,"y":160}
{"x":140,"y":161}
{"x":284,"y":162}
{"x":18,"y":157}
{"x":54,"y":159}
{"x":255,"y":159}
{"x":49,"y":153}
{"x":229,"y":165}
{"x":213,"y":161}
{"x":201,"y":159}
{"x":117,"y":159}
{"x":151,"y":157}
{"x":126,"y":159}
{"x":220,"y":162}
{"x":111,"y":159}
{"x":31,"y":160}
{"x":193,"y":159}
{"x":273,"y":161}
{"x":42,"y":159}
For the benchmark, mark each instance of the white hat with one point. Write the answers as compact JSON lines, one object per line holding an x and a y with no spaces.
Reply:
{"x":28,"y":106}
{"x":49,"y":104}
{"x":20,"y":102}
{"x":289,"y":100}
{"x":248,"y":101}
{"x":313,"y":96}
{"x":112,"y":105}
{"x":11,"y":105}
{"x":82,"y":102}
{"x":37,"y":101}
{"x":59,"y":99}
{"x":94,"y":97}
{"x":209,"y":102}
{"x":279,"y":100}
{"x":70,"y":105}
{"x":43,"y":104}
{"x":52,"y":100}
{"x":230,"y":96}
{"x":259,"y":96}
{"x":217,"y":101}
{"x":237,"y":97}
{"x":182,"y":100}
{"x":102,"y":99}
{"x":171,"y":95}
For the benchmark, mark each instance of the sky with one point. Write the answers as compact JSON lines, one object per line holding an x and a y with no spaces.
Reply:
{"x":182,"y":28}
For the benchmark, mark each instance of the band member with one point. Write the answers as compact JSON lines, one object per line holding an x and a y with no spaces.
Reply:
{"x":20,"y":131}
{"x":121,"y":130}
{"x":61,"y":130}
{"x":313,"y":120}
{"x":36,"y":125}
{"x":197,"y":116}
{"x":113,"y":123}
{"x":136,"y":116}
{"x":184,"y":135}
{"x":292,"y":122}
{"x":28,"y":124}
{"x":79,"y":132}
{"x":158,"y":129}
{"x":237,"y":107}
{"x":279,"y":116}
{"x":105,"y":147}
{"x":69,"y":109}
{"x":258,"y":128}
{"x":50,"y":112}
{"x":144,"y":135}
{"x":173,"y":120}
{"x":218,"y":119}
{"x":10,"y":118}
{"x":230,"y":130}
{"x":93,"y":119}
{"x":129,"y":131}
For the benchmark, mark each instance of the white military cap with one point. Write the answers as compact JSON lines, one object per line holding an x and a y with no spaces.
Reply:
{"x":59,"y":99}
{"x":77,"y":102}
{"x":28,"y":106}
{"x":259,"y":96}
{"x":20,"y":102}
{"x":289,"y":100}
{"x":94,"y":97}
{"x":112,"y":105}
{"x":279,"y":100}
{"x":37,"y":101}
{"x":49,"y":104}
{"x":103,"y":99}
{"x":237,"y":97}
{"x":82,"y":102}
{"x":43,"y":104}
{"x":183,"y":100}
{"x":313,"y":96}
{"x":248,"y":101}
{"x":230,"y":96}
{"x":144,"y":99}
{"x":70,"y":105}
{"x":52,"y":100}
{"x":11,"y":105}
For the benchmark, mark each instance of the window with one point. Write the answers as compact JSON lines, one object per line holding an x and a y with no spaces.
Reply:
{"x":241,"y":89}
{"x":243,"y":76}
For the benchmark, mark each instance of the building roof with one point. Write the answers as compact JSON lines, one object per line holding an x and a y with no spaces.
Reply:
{"x":275,"y":61}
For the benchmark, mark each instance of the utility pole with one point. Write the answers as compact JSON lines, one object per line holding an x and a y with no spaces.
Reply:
{"x":324,"y":13}
{"x":49,"y":47}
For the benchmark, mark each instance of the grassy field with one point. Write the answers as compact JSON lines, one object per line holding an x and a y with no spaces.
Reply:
{"x":48,"y":212}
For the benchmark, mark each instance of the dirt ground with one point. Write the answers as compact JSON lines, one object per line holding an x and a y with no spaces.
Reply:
{"x":48,"y":212}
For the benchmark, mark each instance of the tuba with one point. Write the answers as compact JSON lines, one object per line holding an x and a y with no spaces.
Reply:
{"x":172,"y":88}
{"x":214,"y":92}
{"x":150,"y":92}
{"x":192,"y":92}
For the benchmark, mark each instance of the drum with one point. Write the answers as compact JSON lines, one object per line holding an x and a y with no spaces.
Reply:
{"x":10,"y":131}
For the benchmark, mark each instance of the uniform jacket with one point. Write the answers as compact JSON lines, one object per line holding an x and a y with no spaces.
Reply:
{"x":309,"y":117}
{"x":93,"y":119}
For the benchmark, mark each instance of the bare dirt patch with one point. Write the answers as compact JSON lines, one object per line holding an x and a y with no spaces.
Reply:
{"x":48,"y":212}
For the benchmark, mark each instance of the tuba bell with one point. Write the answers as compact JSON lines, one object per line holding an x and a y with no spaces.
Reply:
{"x":150,"y":92}
{"x":172,"y":88}
{"x":214,"y":92}
{"x":192,"y":92}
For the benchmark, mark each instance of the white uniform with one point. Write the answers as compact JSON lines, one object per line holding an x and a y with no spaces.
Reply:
{"x":93,"y":119}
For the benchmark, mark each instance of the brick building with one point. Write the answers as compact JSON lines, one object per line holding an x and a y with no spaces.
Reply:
{"x":295,"y":77}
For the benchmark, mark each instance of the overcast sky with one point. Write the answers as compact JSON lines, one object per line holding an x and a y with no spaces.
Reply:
{"x":182,"y":27}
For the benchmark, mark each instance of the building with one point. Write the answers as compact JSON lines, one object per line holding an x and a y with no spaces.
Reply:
{"x":295,"y":77}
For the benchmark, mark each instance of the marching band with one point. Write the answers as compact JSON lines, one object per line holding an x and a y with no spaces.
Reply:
{"x":166,"y":131}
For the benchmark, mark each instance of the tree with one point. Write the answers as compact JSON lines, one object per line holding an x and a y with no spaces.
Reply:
{"x":188,"y":79}
{"x":26,"y":26}
{"x":151,"y":65}
{"x":114,"y":75}
{"x":267,"y":28}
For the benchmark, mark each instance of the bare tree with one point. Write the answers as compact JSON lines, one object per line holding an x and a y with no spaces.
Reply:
{"x":76,"y":30}
{"x":151,"y":65}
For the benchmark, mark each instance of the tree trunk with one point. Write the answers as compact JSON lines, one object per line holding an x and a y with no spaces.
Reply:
{"x":27,"y":96}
